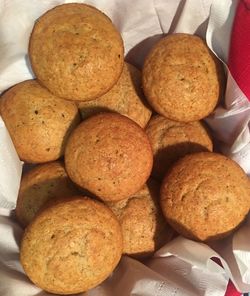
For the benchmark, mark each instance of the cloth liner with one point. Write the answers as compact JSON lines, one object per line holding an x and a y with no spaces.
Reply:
{"x":182,"y":267}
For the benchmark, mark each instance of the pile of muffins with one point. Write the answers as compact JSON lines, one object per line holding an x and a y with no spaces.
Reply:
{"x":122,"y":159}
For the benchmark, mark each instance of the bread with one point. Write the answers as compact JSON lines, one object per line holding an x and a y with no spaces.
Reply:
{"x":205,"y":196}
{"x":143,"y":225}
{"x":71,"y":246}
{"x":40,"y":184}
{"x":39,"y":123}
{"x":125,"y":97}
{"x":109,"y":155}
{"x":76,"y":52}
{"x":171,"y":140}
{"x":181,"y":78}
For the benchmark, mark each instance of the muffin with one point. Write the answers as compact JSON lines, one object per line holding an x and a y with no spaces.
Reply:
{"x":205,"y":196}
{"x":76,"y":52}
{"x":125,"y":97}
{"x":38,"y":122}
{"x":182,"y":79}
{"x":109,"y":155}
{"x":171,"y":140}
{"x":143,"y":225}
{"x":40,"y":184}
{"x":71,"y":246}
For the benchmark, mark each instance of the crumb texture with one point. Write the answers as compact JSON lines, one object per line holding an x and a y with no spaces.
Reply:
{"x":182,"y":79}
{"x":76,"y":52}
{"x":109,"y":155}
{"x":39,"y":123}
{"x":126,"y":98}
{"x":71,"y":246}
{"x":143,"y":225}
{"x":200,"y":193}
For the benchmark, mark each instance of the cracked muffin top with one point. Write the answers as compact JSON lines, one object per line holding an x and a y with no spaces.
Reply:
{"x":39,"y":123}
{"x":205,"y":196}
{"x":182,"y":79}
{"x":76,"y":52}
{"x":71,"y":246}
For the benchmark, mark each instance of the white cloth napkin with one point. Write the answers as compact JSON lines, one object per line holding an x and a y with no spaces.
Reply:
{"x":231,"y":123}
{"x":10,"y":170}
{"x":182,"y":267}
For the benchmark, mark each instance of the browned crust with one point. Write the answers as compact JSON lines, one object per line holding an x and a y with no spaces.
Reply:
{"x":143,"y":225}
{"x":76,"y":52}
{"x":71,"y":246}
{"x":40,"y":184}
{"x":125,"y":97}
{"x":205,"y":196}
{"x":182,"y":79}
{"x":109,"y":155}
{"x":39,"y":123}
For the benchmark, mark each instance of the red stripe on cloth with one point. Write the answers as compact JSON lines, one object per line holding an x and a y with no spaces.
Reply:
{"x":231,"y":290}
{"x":239,"y":53}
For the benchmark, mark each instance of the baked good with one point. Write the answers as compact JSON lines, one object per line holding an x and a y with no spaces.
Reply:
{"x":76,"y":52}
{"x":171,"y":140}
{"x":109,"y":155}
{"x":143,"y":225}
{"x":71,"y":246}
{"x":182,"y":79}
{"x":38,"y":122}
{"x":205,"y":196}
{"x":125,"y":97}
{"x":40,"y":184}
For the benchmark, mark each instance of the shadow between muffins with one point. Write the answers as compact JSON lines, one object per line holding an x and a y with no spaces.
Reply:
{"x":162,"y":236}
{"x":93,"y":110}
{"x":74,"y":123}
{"x":166,"y":157}
{"x":13,"y":273}
{"x":187,"y":233}
{"x":163,"y":232}
{"x":137,"y":54}
{"x":17,"y":229}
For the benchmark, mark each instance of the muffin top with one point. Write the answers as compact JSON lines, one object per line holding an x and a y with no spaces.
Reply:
{"x":109,"y":155}
{"x":39,"y":123}
{"x":125,"y":97}
{"x":182,"y":79}
{"x":42,"y":183}
{"x":143,"y":226}
{"x":171,"y":140}
{"x":71,"y":246}
{"x":76,"y":52}
{"x":200,"y":193}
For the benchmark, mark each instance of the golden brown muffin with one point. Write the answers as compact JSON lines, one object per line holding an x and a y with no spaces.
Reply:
{"x":205,"y":196}
{"x":76,"y":52}
{"x":71,"y":246}
{"x":171,"y":140}
{"x":143,"y":225}
{"x":181,"y":77}
{"x":40,"y":184}
{"x":109,"y":155}
{"x":125,"y":98}
{"x":38,"y":122}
